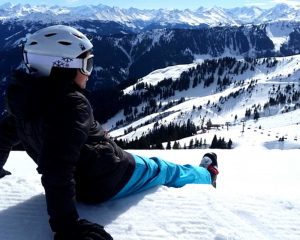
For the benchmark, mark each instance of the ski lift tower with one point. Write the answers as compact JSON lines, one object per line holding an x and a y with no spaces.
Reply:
{"x":227,"y":125}
{"x":243,"y":125}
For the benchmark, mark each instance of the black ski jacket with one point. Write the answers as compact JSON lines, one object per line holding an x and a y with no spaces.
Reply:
{"x":56,"y":126}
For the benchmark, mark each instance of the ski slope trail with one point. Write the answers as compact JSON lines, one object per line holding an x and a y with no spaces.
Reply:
{"x":256,"y":198}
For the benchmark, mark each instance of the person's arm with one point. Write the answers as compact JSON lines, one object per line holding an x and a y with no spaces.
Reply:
{"x":67,"y":131}
{"x":8,"y":139}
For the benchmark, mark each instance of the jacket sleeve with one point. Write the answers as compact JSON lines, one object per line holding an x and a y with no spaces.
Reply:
{"x":8,"y":138}
{"x":67,"y":131}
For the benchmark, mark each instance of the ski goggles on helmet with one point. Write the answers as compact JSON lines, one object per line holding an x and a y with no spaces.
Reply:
{"x":87,"y":65}
{"x":84,"y":64}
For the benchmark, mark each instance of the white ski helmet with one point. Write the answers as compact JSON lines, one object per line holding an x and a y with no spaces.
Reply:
{"x":57,"y":46}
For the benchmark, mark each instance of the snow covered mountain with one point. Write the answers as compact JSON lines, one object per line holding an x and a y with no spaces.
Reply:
{"x":121,"y":55}
{"x":246,"y":14}
{"x":213,"y":95}
{"x":124,"y":53}
{"x":139,"y":19}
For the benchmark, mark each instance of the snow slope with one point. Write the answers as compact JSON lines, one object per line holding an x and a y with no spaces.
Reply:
{"x":256,"y":198}
{"x":269,"y":126}
{"x":278,"y":34}
{"x":158,"y":75}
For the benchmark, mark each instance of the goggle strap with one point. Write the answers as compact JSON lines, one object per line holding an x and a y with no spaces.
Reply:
{"x":54,"y":61}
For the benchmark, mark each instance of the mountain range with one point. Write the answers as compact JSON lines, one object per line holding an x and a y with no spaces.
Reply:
{"x":258,"y":96}
{"x":162,"y":70}
{"x":121,"y":54}
{"x":138,"y":19}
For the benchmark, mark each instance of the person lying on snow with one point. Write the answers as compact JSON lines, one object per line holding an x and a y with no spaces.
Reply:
{"x":50,"y":116}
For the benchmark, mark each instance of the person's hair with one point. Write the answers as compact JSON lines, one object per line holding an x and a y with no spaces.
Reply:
{"x":66,"y":75}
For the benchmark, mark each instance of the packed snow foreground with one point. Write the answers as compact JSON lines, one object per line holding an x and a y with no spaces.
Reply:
{"x":257,"y":197}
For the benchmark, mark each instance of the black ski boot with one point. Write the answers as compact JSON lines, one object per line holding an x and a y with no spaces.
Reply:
{"x":209,"y":161}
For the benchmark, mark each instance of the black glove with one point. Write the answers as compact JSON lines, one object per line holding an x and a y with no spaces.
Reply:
{"x":3,"y":173}
{"x":84,"y":230}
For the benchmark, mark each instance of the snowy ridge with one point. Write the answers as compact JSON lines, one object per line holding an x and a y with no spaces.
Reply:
{"x":249,"y":202}
{"x":138,"y":19}
{"x":246,"y":15}
{"x":158,"y":75}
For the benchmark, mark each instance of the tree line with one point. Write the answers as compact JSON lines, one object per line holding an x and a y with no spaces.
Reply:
{"x":158,"y":135}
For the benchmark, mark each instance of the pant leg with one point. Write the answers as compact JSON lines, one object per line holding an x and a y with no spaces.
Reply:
{"x":151,"y":172}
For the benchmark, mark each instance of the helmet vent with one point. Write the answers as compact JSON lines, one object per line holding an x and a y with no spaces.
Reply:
{"x":65,"y":43}
{"x":78,"y":36}
{"x":50,"y":34}
{"x":33,"y":43}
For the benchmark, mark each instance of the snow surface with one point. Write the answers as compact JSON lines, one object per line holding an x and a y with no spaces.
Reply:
{"x":256,"y":198}
{"x":278,"y":35}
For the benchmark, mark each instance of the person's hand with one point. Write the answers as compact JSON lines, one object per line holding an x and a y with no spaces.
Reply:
{"x":84,"y":230}
{"x":3,"y":173}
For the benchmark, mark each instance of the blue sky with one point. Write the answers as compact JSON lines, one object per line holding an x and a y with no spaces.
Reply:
{"x":154,"y":4}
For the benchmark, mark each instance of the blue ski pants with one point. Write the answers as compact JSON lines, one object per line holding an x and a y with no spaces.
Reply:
{"x":151,"y":172}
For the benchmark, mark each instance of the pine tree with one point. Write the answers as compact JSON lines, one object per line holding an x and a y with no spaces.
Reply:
{"x":159,"y":146}
{"x":191,"y":144}
{"x":197,"y":143}
{"x":209,"y":124}
{"x":248,"y":113}
{"x":200,"y":144}
{"x":168,"y":145}
{"x":256,"y":115}
{"x":229,"y":144}
{"x":176,"y":145}
{"x":222,"y":144}
{"x":214,"y":143}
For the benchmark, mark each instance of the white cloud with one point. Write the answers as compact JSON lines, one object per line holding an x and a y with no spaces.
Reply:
{"x":271,"y":3}
{"x":294,"y":3}
{"x":258,"y":3}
